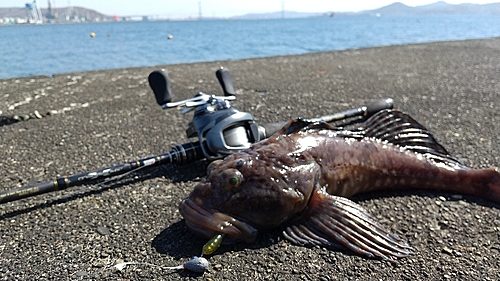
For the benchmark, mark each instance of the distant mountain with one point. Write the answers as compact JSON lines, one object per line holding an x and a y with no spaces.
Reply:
{"x":438,"y":8}
{"x":277,"y":15}
{"x":393,"y":9}
{"x":397,"y":8}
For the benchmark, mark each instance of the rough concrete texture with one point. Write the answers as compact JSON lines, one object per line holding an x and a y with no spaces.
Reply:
{"x":83,"y":121}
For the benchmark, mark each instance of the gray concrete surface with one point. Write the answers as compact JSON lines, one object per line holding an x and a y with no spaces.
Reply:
{"x":95,"y":119}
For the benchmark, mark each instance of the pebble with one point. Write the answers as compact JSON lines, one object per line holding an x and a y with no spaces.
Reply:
{"x":81,"y":273}
{"x":218,"y":266}
{"x":447,"y":250}
{"x":37,"y":114}
{"x":103,"y":230}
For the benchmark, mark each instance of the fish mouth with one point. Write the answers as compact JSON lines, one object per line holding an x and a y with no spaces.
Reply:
{"x":207,"y":224}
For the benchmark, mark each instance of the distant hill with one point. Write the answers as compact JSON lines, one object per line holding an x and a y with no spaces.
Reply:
{"x":277,"y":15}
{"x":397,"y":8}
{"x":438,"y":8}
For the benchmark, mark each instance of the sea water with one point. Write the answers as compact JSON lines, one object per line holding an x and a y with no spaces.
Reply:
{"x":28,"y":50}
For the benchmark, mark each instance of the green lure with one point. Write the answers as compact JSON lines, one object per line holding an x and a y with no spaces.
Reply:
{"x":213,"y":244}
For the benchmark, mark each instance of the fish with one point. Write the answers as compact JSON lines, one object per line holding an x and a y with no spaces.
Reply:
{"x":301,"y":179}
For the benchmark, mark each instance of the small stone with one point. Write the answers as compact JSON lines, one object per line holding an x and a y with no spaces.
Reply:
{"x":103,"y":230}
{"x":81,"y":273}
{"x":447,"y":250}
{"x":37,"y":114}
{"x":218,"y":266}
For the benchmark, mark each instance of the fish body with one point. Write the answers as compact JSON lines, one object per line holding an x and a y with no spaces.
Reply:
{"x":302,"y":176}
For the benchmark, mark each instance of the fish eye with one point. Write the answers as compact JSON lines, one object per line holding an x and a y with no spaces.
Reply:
{"x":234,"y":181}
{"x":231,"y":180}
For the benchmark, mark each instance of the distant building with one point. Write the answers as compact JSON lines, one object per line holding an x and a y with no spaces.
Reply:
{"x":32,"y":14}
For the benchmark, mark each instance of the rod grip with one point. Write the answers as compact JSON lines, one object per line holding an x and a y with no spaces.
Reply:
{"x":27,"y":191}
{"x":377,"y":105}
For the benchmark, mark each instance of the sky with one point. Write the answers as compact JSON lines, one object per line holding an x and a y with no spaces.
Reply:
{"x":223,"y":8}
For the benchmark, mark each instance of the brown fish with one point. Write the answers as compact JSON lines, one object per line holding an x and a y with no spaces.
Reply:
{"x":300,"y":178}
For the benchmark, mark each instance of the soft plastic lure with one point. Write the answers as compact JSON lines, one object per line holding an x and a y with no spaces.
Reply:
{"x":213,"y":244}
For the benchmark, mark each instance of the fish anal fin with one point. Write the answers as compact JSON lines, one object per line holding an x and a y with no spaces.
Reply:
{"x":337,"y":222}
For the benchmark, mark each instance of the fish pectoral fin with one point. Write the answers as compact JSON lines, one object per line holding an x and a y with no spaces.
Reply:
{"x":337,"y":222}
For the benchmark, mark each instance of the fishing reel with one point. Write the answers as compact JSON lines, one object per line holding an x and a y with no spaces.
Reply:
{"x":220,"y":128}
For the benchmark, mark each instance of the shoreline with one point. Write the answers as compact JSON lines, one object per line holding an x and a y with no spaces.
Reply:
{"x":242,"y":59}
{"x":96,"y":119}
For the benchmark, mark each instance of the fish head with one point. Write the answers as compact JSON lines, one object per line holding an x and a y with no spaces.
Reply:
{"x":249,"y":191}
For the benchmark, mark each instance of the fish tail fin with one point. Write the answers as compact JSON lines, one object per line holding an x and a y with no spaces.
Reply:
{"x":485,"y":183}
{"x":337,"y":222}
{"x":495,"y":187}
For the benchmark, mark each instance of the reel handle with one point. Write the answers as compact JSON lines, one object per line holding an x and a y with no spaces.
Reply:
{"x":225,"y":80}
{"x":160,"y":84}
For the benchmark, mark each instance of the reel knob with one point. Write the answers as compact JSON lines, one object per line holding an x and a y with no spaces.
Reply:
{"x":225,"y":80}
{"x":160,"y":84}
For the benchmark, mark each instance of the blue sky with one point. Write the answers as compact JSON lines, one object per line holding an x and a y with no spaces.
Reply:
{"x":222,"y":8}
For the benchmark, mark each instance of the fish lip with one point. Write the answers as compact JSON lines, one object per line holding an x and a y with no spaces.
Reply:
{"x":208,"y":223}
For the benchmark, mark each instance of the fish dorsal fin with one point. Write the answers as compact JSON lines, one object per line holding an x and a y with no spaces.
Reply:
{"x":302,"y":124}
{"x":400,"y":129}
{"x":337,"y":222}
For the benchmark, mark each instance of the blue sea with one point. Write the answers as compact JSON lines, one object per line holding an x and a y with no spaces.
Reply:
{"x":28,"y":50}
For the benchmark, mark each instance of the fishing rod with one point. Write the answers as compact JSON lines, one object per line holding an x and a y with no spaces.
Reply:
{"x":220,"y":129}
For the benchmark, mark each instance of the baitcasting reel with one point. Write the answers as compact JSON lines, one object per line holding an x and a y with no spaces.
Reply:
{"x":220,"y":128}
